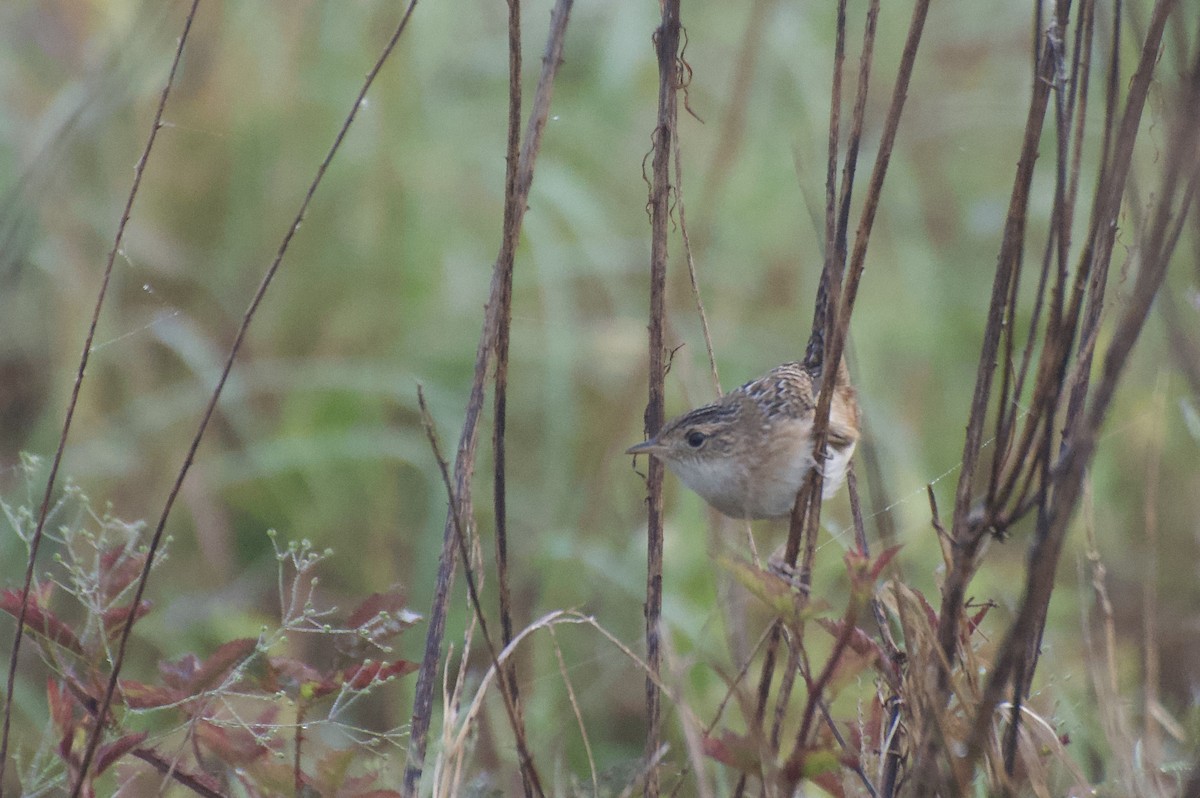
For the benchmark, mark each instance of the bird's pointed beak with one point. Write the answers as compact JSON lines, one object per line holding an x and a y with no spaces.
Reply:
{"x":651,"y":446}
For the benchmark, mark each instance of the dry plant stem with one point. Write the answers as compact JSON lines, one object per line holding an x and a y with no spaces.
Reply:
{"x":508,"y":246}
{"x":852,"y":144}
{"x":196,"y":783}
{"x":1069,"y":471}
{"x":815,"y":351}
{"x":528,"y":771}
{"x":966,"y":540}
{"x":36,"y":540}
{"x":834,"y":263}
{"x":860,"y":528}
{"x":156,"y":538}
{"x":666,"y":43}
{"x":464,"y":463}
{"x":1060,"y":332}
{"x":1160,"y":241}
{"x":830,"y":287}
{"x":840,"y":323}
{"x":1010,"y":395}
{"x":806,"y":513}
{"x":1080,"y":80}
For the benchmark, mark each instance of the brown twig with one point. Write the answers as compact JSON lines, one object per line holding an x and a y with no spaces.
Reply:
{"x":1069,"y":470}
{"x":840,"y":323}
{"x":966,"y":539}
{"x":464,"y":462}
{"x":156,"y":538}
{"x":35,"y":541}
{"x":666,"y":44}
{"x":529,"y":772}
{"x":815,"y":352}
{"x":505,"y":260}
{"x":835,"y":344}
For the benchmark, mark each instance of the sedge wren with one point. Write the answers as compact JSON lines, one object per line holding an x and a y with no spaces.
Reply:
{"x":748,"y":453}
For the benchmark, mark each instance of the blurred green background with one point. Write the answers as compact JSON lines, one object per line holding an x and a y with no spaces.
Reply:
{"x":317,"y":434}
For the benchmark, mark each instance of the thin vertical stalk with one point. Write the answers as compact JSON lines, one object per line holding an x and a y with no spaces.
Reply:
{"x":666,"y":43}
{"x":38,"y":532}
{"x":210,"y":409}
{"x":464,"y":462}
{"x":508,"y":672}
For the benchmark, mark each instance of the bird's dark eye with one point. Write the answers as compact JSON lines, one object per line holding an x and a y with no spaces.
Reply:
{"x":695,"y":439}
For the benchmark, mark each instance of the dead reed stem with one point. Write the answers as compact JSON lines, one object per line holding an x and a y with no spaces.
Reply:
{"x":666,"y":44}
{"x":464,"y":461}
{"x":36,"y":540}
{"x":210,"y":409}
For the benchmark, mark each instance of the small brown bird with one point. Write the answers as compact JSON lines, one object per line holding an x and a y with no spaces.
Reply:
{"x":748,"y":453}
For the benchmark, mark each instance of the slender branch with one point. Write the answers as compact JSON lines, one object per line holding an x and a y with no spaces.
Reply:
{"x":835,"y":345}
{"x":464,"y":463}
{"x":834,"y":264}
{"x":965,"y":540}
{"x":36,"y":540}
{"x":1069,"y":472}
{"x":528,"y":772}
{"x":666,"y":43}
{"x":508,"y":246}
{"x":156,"y":539}
{"x":38,"y":532}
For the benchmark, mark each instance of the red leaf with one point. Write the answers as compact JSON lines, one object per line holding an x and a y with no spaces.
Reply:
{"x":372,"y":605}
{"x":62,"y":710}
{"x":108,"y":754}
{"x":360,"y":677}
{"x":233,"y":745}
{"x":881,"y":562}
{"x":297,"y":679}
{"x":180,"y":673}
{"x":865,"y":649}
{"x":830,"y":783}
{"x":733,"y":750}
{"x":149,"y":696}
{"x":114,"y":617}
{"x":221,"y":662}
{"x":119,"y":568}
{"x":41,"y":621}
{"x":859,"y":640}
{"x":930,"y":614}
{"x":380,"y":617}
